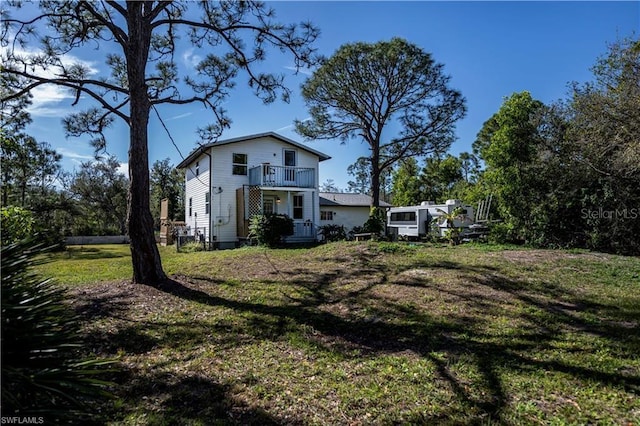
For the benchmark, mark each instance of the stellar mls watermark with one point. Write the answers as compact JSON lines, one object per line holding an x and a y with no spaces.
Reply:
{"x":610,"y":214}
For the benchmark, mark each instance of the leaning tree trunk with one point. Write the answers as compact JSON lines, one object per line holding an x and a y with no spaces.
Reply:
{"x":147,"y":266}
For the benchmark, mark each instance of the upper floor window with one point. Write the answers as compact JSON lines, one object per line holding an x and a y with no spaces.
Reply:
{"x":239,"y":164}
{"x":197,"y":168}
{"x":289,"y":157}
{"x":207,"y":203}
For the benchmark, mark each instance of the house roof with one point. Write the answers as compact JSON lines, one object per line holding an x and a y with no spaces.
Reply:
{"x":198,"y":151}
{"x":346,"y":199}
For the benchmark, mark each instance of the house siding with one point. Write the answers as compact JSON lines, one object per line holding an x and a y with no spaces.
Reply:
{"x":346,"y":216}
{"x":350,"y":209}
{"x":196,"y":188}
{"x":223,"y":203}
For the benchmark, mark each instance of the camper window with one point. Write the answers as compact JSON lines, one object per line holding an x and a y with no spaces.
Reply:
{"x":403,"y":217}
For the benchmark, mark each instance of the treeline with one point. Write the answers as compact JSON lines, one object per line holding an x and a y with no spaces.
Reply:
{"x":39,"y":197}
{"x":566,"y":174}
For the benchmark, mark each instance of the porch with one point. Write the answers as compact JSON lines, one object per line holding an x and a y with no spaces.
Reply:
{"x":298,"y":204}
{"x":303,"y":232}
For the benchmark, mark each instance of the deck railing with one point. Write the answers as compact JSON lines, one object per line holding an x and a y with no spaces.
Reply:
{"x":285,"y":176}
{"x":302,"y":232}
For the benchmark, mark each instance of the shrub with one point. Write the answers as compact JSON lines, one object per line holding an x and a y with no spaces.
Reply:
{"x":270,"y":229}
{"x":501,"y":233}
{"x":333,"y":232}
{"x":395,"y":248}
{"x":42,"y":372}
{"x":191,"y":247}
{"x":17,"y":224}
{"x":376,"y":221}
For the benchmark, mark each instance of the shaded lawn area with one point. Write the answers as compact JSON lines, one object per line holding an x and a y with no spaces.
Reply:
{"x":368,"y":333}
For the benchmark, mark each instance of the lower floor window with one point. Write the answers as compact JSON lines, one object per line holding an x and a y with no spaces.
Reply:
{"x":298,"y":206}
{"x":325,"y":215}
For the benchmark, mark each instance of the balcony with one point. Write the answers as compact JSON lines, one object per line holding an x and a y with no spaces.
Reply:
{"x":282,"y":176}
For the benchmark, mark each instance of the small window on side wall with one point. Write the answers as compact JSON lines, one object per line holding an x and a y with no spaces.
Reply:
{"x":239,"y":164}
{"x":326,"y":215}
{"x":190,"y":206}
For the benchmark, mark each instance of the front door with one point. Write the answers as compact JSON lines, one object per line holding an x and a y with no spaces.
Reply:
{"x":289,"y":165}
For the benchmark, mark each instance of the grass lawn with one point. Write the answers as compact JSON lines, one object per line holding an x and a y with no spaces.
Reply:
{"x":365,"y":333}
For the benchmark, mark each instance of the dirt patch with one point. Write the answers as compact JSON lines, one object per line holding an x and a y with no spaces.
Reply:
{"x":537,"y":256}
{"x":527,"y":256}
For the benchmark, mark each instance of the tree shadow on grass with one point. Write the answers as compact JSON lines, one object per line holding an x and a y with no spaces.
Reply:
{"x":92,"y":253}
{"x":390,"y":326}
{"x":548,"y":315}
{"x":159,"y":398}
{"x":158,"y":393}
{"x":372,"y":336}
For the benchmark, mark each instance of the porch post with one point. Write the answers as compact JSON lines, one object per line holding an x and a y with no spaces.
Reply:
{"x":313,"y":213}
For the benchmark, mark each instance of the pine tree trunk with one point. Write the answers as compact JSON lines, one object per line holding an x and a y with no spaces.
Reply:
{"x":147,"y":266}
{"x":375,"y":176}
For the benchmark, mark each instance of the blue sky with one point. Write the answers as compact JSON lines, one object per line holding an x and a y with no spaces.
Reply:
{"x":490,"y":50}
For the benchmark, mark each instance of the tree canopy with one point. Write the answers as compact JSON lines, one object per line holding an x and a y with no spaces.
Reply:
{"x":406,"y":187}
{"x":567,"y":174}
{"x":439,"y":179}
{"x":167,"y":182}
{"x":508,"y":144}
{"x":100,"y":190}
{"x":366,"y":90}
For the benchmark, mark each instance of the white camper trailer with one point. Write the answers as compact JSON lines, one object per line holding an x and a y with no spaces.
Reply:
{"x":416,"y":222}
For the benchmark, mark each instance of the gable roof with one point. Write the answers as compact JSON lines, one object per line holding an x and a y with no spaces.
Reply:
{"x":347,"y":200}
{"x":198,"y":151}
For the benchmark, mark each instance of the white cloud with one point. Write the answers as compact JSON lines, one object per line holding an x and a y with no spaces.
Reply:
{"x":47,"y":99}
{"x":74,"y":156}
{"x":79,"y":159}
{"x":282,"y":129}
{"x":305,"y":71}
{"x":124,"y":169}
{"x":190,"y":59}
{"x":291,"y":126}
{"x":179,"y":116}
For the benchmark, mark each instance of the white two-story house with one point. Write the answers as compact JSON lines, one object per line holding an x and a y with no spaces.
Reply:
{"x":229,"y":181}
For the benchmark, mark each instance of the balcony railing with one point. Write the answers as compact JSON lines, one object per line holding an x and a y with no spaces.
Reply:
{"x":269,"y":175}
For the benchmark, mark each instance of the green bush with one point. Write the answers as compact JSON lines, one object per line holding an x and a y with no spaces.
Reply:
{"x":191,"y":247}
{"x":17,"y":224}
{"x":333,"y":232}
{"x":395,"y":248}
{"x":270,"y":229}
{"x":501,"y":233}
{"x":43,"y":373}
{"x":376,"y":222}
